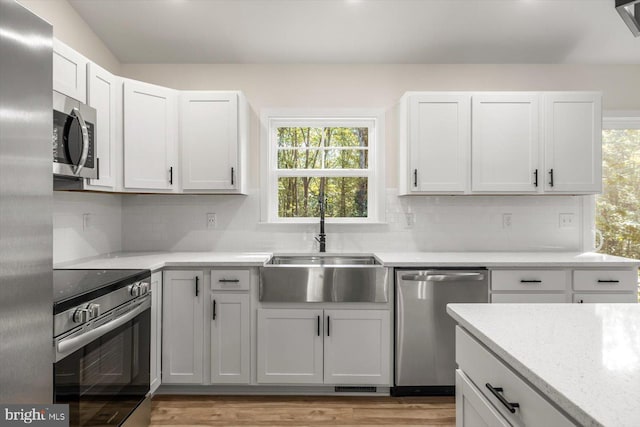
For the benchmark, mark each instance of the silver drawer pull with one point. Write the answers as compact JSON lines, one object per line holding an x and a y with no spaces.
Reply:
{"x":497,"y":392}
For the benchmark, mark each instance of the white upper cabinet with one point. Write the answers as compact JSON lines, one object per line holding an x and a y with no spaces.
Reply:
{"x":105,"y":95}
{"x":505,"y":142}
{"x":69,"y":71}
{"x":437,"y":142}
{"x":573,"y":142}
{"x":150,"y":137}
{"x":520,"y":143}
{"x":211,"y":131}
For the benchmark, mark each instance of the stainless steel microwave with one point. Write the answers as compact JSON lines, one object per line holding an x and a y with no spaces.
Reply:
{"x":74,"y":142}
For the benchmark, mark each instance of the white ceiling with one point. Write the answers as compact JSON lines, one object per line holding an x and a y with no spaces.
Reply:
{"x":362,"y":31}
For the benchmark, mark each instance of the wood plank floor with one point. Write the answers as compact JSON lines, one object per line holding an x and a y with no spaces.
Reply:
{"x":301,"y":411}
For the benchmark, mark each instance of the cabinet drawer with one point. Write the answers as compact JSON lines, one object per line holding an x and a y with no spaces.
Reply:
{"x":528,"y":280}
{"x":230,"y":280}
{"x":605,"y":280}
{"x":526,"y":298}
{"x":484,"y":369}
{"x":605,"y":298}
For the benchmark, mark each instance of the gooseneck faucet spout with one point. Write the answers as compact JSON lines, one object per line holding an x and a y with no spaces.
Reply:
{"x":322,"y":237}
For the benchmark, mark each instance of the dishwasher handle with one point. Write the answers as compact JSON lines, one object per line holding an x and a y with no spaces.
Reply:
{"x":437,"y":276}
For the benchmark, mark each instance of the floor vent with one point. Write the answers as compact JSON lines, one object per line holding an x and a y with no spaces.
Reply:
{"x":343,"y":389}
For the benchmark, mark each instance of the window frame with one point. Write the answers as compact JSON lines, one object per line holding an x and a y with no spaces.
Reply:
{"x":271,"y":119}
{"x":610,"y":120}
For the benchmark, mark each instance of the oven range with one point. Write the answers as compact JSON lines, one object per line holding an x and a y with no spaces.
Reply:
{"x":102,"y":323}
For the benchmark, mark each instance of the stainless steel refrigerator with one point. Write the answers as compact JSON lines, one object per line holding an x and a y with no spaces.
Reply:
{"x":26,"y":197}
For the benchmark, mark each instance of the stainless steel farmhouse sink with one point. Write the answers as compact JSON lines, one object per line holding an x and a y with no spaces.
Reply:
{"x":323,"y":260}
{"x":323,"y":278}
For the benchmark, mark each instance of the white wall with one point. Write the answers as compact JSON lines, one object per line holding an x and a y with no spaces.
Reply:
{"x":69,"y":27}
{"x":75,"y":238}
{"x":442,"y":223}
{"x":381,"y":86}
{"x":154,"y":222}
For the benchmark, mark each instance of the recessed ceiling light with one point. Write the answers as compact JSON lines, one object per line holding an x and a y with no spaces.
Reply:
{"x":629,"y":10}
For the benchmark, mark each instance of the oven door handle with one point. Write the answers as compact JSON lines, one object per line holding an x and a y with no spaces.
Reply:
{"x":85,"y":141}
{"x":67,"y":346}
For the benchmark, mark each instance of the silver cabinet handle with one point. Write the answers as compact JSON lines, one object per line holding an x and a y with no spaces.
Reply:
{"x":442,"y":277}
{"x":85,"y":141}
{"x":69,"y":345}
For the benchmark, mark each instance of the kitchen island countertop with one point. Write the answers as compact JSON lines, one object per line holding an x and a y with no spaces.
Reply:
{"x":584,"y":357}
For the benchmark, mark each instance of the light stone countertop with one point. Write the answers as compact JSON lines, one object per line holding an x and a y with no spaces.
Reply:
{"x":503,"y":259}
{"x":158,"y":260}
{"x":584,"y":357}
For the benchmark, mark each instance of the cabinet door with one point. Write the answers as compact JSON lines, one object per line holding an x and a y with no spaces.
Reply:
{"x":605,"y":298}
{"x":439,"y":135}
{"x":289,"y":346}
{"x":182,"y":327}
{"x":150,"y":136}
{"x":573,"y":142}
{"x":104,"y":93}
{"x":505,"y":142}
{"x":156,"y":329}
{"x":209,"y":140}
{"x":230,"y":338}
{"x":472,"y":409}
{"x":357,"y":347}
{"x":528,"y":298}
{"x":69,"y":71}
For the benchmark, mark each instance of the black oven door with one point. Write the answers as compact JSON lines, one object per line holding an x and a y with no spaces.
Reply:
{"x":106,"y":379}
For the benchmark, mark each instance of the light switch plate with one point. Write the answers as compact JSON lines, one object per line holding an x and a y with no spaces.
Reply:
{"x":212,"y":220}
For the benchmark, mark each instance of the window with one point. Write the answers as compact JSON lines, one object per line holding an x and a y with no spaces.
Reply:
{"x":331,"y":154}
{"x":618,"y":207}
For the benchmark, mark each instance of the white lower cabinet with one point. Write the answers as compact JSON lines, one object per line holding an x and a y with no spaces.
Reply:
{"x":183,"y":327}
{"x":605,"y":298}
{"x":357,"y":347}
{"x":528,"y":298}
{"x":156,"y":330}
{"x":290,"y":346}
{"x":350,"y":347}
{"x":230,"y":338}
{"x":472,"y":409}
{"x":579,"y":285}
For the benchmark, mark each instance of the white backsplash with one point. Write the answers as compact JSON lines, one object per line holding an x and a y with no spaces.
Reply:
{"x":442,"y":223}
{"x":85,"y":224}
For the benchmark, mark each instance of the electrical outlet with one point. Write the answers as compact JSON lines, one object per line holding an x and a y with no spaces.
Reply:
{"x":567,"y":220}
{"x":409,"y":220}
{"x":212,"y":221}
{"x":506,"y":220}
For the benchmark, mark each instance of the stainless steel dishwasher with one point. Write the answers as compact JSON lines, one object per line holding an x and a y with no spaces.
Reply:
{"x":425,"y":360}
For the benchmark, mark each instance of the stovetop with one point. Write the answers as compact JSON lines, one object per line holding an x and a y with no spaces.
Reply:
{"x":73,"y":287}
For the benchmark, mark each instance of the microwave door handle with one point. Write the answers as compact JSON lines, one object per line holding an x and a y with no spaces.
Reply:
{"x":85,"y":141}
